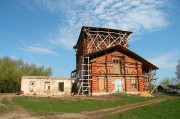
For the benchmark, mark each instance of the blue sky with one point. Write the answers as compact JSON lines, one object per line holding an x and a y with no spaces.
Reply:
{"x":44,"y":31}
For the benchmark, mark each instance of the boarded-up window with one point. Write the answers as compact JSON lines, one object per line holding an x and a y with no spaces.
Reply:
{"x":61,"y":86}
{"x":116,"y":66}
{"x":31,"y":86}
{"x":133,"y":82}
{"x":101,"y":83}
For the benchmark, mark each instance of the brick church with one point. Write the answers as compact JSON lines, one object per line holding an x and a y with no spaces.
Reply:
{"x":105,"y":64}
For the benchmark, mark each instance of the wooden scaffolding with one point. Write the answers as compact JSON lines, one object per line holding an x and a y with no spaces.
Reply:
{"x":102,"y":39}
{"x":85,"y":81}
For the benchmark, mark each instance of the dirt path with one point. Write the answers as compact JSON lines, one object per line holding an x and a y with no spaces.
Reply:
{"x":107,"y":113}
{"x":20,"y":113}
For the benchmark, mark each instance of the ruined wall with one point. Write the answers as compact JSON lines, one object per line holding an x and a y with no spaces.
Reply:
{"x":44,"y":85}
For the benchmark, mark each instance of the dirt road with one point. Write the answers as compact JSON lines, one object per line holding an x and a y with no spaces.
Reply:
{"x":20,"y":113}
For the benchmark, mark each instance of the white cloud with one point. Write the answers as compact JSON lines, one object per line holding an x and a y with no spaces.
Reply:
{"x":166,"y":61}
{"x":39,"y":50}
{"x":138,"y":16}
{"x":39,"y":47}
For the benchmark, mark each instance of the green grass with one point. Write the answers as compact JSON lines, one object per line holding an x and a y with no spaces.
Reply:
{"x":5,"y":101}
{"x":47,"y":105}
{"x":6,"y":105}
{"x":2,"y":109}
{"x":169,"y":109}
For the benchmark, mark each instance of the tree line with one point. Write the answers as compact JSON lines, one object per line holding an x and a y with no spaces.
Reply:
{"x":173,"y":81}
{"x":12,"y":70}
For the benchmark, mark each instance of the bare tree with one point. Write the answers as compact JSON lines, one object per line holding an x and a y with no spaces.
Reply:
{"x":178,"y":71}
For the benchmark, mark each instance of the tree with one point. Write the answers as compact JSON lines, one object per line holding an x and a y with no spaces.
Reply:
{"x":12,"y":70}
{"x":178,"y":71}
{"x":167,"y":81}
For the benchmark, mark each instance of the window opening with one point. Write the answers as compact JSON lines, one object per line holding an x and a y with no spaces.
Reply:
{"x":133,"y":82}
{"x":47,"y":87}
{"x":31,"y":86}
{"x":61,"y":86}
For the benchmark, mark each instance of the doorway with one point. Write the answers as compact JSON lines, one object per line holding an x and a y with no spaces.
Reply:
{"x":118,"y":85}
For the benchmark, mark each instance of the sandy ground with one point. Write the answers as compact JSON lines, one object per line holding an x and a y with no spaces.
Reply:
{"x":20,"y":113}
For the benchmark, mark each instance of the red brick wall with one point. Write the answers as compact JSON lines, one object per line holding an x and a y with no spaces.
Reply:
{"x":102,"y":69}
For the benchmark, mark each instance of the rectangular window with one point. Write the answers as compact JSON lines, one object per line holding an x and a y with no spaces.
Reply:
{"x":133,"y":82}
{"x":61,"y":86}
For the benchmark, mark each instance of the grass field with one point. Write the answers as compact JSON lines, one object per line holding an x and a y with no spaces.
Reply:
{"x":2,"y":109}
{"x":169,"y":109}
{"x":47,"y":105}
{"x":5,"y":101}
{"x":4,"y":105}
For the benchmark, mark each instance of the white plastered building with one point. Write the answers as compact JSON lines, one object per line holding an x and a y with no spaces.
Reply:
{"x":46,"y":85}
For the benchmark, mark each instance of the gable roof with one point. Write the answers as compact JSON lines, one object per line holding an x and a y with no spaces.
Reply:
{"x":168,"y":87}
{"x":97,"y":29}
{"x":147,"y":66}
{"x":164,"y":87}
